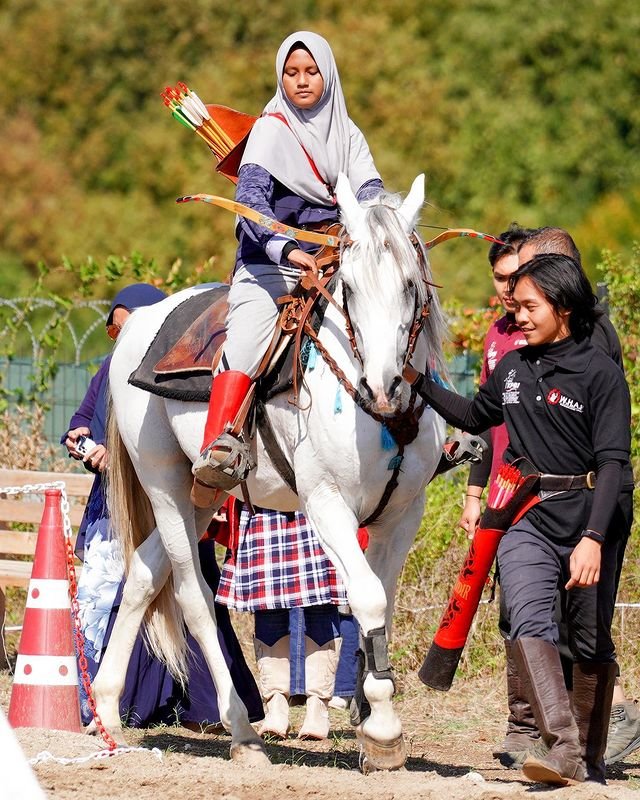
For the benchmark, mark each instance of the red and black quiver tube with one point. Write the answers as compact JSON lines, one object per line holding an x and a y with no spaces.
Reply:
{"x":512,"y":494}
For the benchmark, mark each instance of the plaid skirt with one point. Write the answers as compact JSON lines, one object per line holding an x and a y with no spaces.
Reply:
{"x":279,"y":563}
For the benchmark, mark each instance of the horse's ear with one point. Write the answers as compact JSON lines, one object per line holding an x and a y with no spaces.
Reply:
{"x":350,"y":212}
{"x":410,"y":209}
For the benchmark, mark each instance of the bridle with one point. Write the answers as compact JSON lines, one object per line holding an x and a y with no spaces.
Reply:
{"x":421,"y":310}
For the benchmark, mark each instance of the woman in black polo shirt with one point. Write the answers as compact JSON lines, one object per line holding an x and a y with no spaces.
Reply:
{"x":567,"y":410}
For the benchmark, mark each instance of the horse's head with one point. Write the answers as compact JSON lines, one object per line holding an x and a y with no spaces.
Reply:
{"x":385,"y":274}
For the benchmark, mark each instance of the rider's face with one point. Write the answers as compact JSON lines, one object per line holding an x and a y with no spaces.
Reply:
{"x":303,"y":84}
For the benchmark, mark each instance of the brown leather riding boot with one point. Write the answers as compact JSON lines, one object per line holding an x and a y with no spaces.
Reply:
{"x":523,"y":737}
{"x":592,"y":694}
{"x":539,"y":666}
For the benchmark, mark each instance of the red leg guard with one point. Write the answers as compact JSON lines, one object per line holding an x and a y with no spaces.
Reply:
{"x":228,"y":390}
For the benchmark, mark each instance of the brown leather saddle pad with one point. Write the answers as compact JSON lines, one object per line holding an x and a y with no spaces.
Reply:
{"x":195,"y":349}
{"x":177,"y":364}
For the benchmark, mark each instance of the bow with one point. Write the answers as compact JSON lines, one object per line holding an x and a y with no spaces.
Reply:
{"x":452,"y":233}
{"x":266,"y":222}
{"x":309,"y":236}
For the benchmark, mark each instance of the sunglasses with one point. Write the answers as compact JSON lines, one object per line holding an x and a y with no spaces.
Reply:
{"x":113,"y":330}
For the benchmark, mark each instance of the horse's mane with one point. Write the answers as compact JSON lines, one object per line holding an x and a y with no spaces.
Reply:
{"x":386,"y":234}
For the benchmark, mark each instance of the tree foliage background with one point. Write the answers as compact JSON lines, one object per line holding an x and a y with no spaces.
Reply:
{"x":515,"y":111}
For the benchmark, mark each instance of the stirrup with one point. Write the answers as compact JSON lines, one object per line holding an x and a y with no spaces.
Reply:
{"x":224,"y":463}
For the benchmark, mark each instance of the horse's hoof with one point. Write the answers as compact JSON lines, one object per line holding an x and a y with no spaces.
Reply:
{"x":117,"y":734}
{"x":250,"y":754}
{"x":380,"y":756}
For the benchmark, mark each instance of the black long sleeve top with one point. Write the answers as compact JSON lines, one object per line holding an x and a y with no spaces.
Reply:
{"x":567,"y":409}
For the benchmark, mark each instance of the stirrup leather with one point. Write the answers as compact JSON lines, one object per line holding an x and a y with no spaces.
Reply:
{"x":225,"y":463}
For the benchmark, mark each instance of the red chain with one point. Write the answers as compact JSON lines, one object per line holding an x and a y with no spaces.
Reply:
{"x":79,"y":640}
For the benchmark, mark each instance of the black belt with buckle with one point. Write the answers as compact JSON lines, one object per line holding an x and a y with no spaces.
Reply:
{"x":564,"y":483}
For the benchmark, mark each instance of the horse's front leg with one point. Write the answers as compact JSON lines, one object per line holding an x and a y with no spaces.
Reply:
{"x":149,"y":570}
{"x":379,"y":728}
{"x":389,"y":545}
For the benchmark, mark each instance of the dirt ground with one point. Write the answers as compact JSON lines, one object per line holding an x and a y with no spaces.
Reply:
{"x":449,"y":741}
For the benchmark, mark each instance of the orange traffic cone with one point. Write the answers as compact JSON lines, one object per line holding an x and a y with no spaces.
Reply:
{"x":45,"y":684}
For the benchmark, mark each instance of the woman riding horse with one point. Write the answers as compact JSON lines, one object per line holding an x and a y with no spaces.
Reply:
{"x":289,"y":169}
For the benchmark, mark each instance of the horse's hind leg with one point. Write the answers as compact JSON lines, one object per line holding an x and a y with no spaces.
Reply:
{"x":148,"y":572}
{"x":196,"y":601}
{"x":379,"y":729}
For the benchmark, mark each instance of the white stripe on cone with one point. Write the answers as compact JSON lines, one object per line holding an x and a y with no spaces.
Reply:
{"x":48,"y":593}
{"x":46,"y":670}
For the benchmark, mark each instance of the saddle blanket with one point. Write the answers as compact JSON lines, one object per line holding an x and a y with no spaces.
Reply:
{"x":187,"y":386}
{"x":192,"y":383}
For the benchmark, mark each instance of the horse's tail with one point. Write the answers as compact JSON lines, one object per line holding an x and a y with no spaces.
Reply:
{"x":132,"y":521}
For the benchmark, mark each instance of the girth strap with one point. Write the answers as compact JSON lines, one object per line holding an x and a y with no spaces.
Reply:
{"x":272,"y":447}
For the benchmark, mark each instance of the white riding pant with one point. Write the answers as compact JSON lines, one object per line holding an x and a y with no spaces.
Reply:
{"x":253,"y":313}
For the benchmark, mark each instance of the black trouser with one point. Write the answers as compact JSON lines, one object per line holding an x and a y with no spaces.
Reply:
{"x":619,"y":531}
{"x":533,"y":569}
{"x":566,"y":657}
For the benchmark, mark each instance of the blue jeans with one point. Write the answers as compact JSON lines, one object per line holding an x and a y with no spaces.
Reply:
{"x":348,"y":663}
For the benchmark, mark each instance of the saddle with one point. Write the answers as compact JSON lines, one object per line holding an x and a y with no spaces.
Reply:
{"x":183,"y":355}
{"x":200,"y":346}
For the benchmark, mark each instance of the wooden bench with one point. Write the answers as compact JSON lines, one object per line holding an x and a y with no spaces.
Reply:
{"x":17,"y":547}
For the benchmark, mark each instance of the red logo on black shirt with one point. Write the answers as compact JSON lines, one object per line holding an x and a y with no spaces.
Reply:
{"x":553,"y":398}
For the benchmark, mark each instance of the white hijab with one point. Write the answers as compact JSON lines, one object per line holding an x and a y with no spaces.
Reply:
{"x":325,"y":131}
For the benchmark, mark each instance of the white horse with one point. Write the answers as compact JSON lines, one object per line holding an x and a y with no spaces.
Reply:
{"x":341,"y":467}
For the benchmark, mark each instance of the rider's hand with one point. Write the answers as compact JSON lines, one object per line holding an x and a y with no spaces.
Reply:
{"x":584,"y":564}
{"x":72,"y":439}
{"x":470,"y":515}
{"x":303,"y":260}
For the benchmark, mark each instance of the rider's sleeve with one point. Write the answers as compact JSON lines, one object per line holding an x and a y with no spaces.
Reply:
{"x":474,"y":416}
{"x":369,"y":190}
{"x":255,"y":189}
